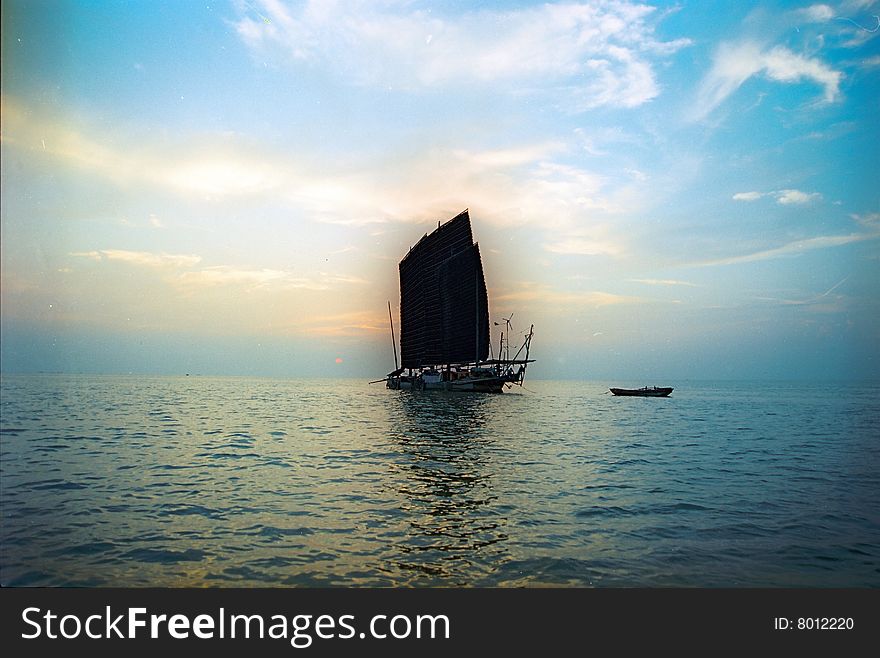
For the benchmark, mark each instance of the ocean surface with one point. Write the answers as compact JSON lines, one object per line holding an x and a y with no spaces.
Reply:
{"x":197,"y":481}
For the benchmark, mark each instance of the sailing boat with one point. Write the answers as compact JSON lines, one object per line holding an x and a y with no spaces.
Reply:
{"x":444,"y":319}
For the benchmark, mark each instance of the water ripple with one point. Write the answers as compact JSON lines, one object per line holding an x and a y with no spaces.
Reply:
{"x":127,"y":481}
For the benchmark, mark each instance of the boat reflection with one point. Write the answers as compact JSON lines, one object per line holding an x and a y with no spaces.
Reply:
{"x":445,"y":482}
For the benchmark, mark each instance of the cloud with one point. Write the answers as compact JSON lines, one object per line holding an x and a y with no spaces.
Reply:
{"x":734,"y":63}
{"x":510,"y":157}
{"x":578,"y":246}
{"x":796,"y":197}
{"x":142,"y":258}
{"x":220,"y":167}
{"x":664,"y":282}
{"x":516,"y":185}
{"x":861,"y":28}
{"x":223,"y":175}
{"x":783,"y":197}
{"x":602,"y":141}
{"x":782,"y":65}
{"x":261,"y":279}
{"x":181,"y":271}
{"x":601,"y":52}
{"x":747,"y":196}
{"x":545,"y":295}
{"x":791,"y":249}
{"x":870,"y":221}
{"x":815,"y":14}
{"x":341,"y":325}
{"x":251,"y":279}
{"x":823,"y":302}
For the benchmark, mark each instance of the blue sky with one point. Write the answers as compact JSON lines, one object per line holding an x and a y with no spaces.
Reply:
{"x":666,"y":190}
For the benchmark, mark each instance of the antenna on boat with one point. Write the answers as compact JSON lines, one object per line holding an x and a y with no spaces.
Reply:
{"x":393,"y":342}
{"x":509,"y":331}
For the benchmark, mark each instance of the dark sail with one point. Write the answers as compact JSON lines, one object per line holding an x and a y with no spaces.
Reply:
{"x":444,"y":309}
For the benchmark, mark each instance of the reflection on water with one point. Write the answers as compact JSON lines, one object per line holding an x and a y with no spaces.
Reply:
{"x":132,"y":481}
{"x":445,"y":485}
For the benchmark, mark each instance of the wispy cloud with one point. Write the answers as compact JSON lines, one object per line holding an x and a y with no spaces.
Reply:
{"x":510,"y":157}
{"x":223,"y":174}
{"x":859,"y":27}
{"x":734,"y":63}
{"x":342,"y":325}
{"x":221,"y":276}
{"x":602,"y":52}
{"x":545,"y":295}
{"x":580,"y":246}
{"x":791,"y":249}
{"x":870,"y":221}
{"x":221,"y":168}
{"x":783,"y":197}
{"x":181,"y":271}
{"x":818,"y":13}
{"x":142,"y":258}
{"x":664,"y":282}
{"x":796,"y":197}
{"x":748,"y":196}
{"x":514,"y":185}
{"x":823,"y":302}
{"x":262,"y":279}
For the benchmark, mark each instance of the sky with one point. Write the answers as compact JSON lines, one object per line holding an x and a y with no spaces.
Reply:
{"x":666,"y":190}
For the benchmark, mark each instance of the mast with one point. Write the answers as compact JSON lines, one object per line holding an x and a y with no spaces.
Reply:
{"x":477,"y":322}
{"x":393,"y":343}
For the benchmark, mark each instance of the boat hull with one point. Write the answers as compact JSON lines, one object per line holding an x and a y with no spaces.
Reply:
{"x":647,"y":392}
{"x":476,"y":385}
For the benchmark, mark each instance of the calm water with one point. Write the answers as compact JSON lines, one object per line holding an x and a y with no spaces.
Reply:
{"x":191,"y":481}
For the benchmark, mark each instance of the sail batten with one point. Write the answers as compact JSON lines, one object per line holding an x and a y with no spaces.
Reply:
{"x":444,"y":309}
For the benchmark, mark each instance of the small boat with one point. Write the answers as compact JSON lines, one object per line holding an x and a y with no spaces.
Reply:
{"x":645,"y":392}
